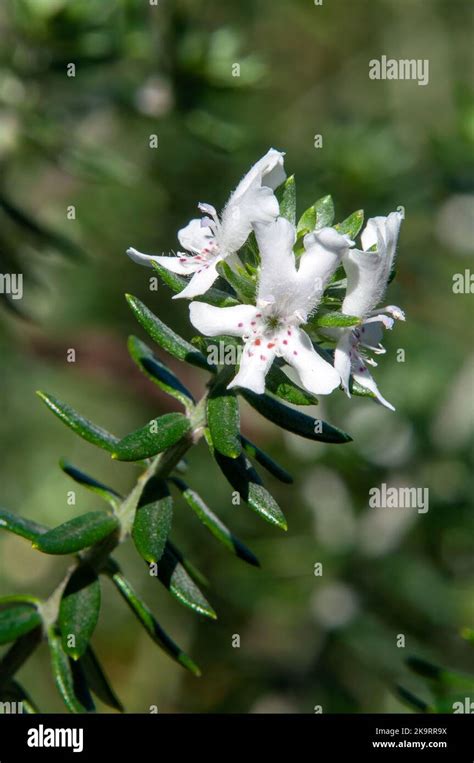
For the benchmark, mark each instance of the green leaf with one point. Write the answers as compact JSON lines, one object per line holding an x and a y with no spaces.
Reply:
{"x":220,"y":350}
{"x":282,"y":386}
{"x":68,"y":677}
{"x":193,"y":572}
{"x":78,"y":533}
{"x":268,"y":463}
{"x":26,"y":528}
{"x":242,"y":476}
{"x":324,"y":209}
{"x":295,"y":421}
{"x":152,"y":627}
{"x":165,"y":337}
{"x":98,"y":681}
{"x":286,"y":195}
{"x":158,"y":373}
{"x":441,"y":676}
{"x":335,"y":319}
{"x":155,"y":437}
{"x":107,"y":493}
{"x":214,"y":524}
{"x":17,"y":619}
{"x":352,"y":224}
{"x":223,"y":416}
{"x":14,"y":692}
{"x":79,"y":610}
{"x":80,"y":425}
{"x":243,"y":285}
{"x":152,"y":523}
{"x":413,"y":702}
{"x":173,"y":575}
{"x":307,"y":222}
{"x":358,"y":390}
{"x":177,"y":283}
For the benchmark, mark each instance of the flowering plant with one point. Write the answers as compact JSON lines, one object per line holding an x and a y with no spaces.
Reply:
{"x":296,"y":302}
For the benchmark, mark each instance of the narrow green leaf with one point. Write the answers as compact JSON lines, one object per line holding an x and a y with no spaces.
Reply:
{"x":286,"y":195}
{"x":441,"y":676}
{"x":158,"y":373}
{"x":307,"y":222}
{"x":214,"y":524}
{"x":98,"y":681}
{"x":241,"y":282}
{"x":413,"y":702}
{"x":155,"y":437}
{"x":17,"y":619}
{"x":241,"y":475}
{"x":295,"y":421}
{"x":268,"y":463}
{"x":26,"y":528}
{"x":148,"y":621}
{"x":14,"y":692}
{"x":352,"y":224}
{"x":335,"y":319}
{"x":80,"y":425}
{"x":193,"y":572}
{"x":212,"y":296}
{"x":281,"y":385}
{"x":152,"y":523}
{"x":173,"y":575}
{"x":324,"y":208}
{"x":68,"y":677}
{"x":165,"y":337}
{"x":78,"y":533}
{"x":358,"y":390}
{"x":107,"y":493}
{"x":220,"y":350}
{"x":223,"y":417}
{"x":79,"y":611}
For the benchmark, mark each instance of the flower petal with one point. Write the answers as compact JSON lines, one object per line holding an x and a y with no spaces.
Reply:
{"x":181,"y":264}
{"x":368,"y":272}
{"x":252,"y":201}
{"x":363,"y":377}
{"x":267,"y":171}
{"x":195,"y":237}
{"x":254,"y":365}
{"x":323,"y":252}
{"x":371,"y":335}
{"x":316,"y":374}
{"x":201,"y":281}
{"x":342,"y":358}
{"x":257,"y":205}
{"x":277,"y":280}
{"x":213,"y":321}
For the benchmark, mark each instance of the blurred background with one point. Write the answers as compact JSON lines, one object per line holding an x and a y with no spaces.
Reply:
{"x":83,"y":142}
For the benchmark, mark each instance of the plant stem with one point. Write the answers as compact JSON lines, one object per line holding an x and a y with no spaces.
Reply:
{"x":96,"y":556}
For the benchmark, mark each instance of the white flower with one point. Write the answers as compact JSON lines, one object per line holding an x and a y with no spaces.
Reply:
{"x":209,"y":240}
{"x":367,"y":275}
{"x":285,"y":299}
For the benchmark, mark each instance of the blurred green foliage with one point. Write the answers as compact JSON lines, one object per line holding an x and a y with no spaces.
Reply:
{"x":305,"y":640}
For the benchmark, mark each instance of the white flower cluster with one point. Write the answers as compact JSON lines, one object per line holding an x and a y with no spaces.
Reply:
{"x":289,"y":288}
